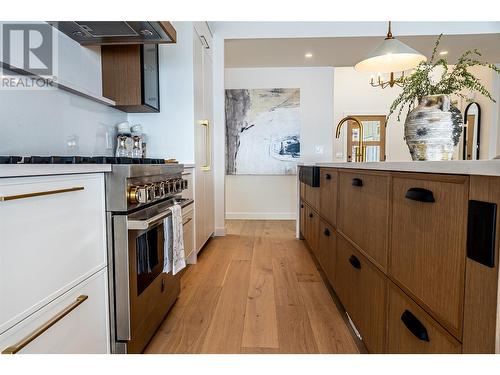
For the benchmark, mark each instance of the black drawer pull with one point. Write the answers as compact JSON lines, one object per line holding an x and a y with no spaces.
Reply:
{"x":328,"y":176}
{"x":357,"y":182}
{"x":420,"y":195}
{"x":311,"y":215}
{"x":327,"y":232}
{"x":414,"y":326}
{"x":353,"y":259}
{"x":301,"y":206}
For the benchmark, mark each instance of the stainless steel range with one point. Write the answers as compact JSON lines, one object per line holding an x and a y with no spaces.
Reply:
{"x":138,"y":198}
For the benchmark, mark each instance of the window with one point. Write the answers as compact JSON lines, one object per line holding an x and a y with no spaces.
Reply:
{"x":373,"y":137}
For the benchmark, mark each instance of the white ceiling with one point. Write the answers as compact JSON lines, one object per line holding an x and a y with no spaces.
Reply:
{"x":236,"y":30}
{"x":346,"y":51}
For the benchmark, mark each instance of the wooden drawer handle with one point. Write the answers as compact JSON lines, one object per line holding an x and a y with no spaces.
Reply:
{"x":353,"y":259}
{"x":327,"y":232}
{"x":420,"y":195}
{"x":357,"y":182}
{"x":44,"y":327}
{"x":414,"y":326}
{"x":328,"y":176}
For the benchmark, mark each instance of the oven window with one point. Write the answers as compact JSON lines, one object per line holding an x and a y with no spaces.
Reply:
{"x":149,"y":257}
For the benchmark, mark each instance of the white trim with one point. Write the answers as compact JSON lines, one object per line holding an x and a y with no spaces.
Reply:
{"x":261,"y":215}
{"x":220,"y":232}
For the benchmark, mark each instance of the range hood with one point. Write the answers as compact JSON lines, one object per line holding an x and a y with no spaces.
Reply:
{"x":117,"y":32}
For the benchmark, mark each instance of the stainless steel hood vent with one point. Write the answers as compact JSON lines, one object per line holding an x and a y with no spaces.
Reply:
{"x":117,"y":32}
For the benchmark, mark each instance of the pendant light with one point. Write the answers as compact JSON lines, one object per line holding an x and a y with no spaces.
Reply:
{"x":389,"y":57}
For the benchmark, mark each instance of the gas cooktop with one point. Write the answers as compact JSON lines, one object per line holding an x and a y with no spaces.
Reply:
{"x":76,"y":160}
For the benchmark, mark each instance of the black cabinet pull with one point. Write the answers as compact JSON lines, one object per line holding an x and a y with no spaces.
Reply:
{"x":328,"y":176}
{"x":414,"y":326}
{"x":420,"y":195}
{"x":311,"y":215}
{"x":327,"y":232}
{"x":357,"y":182}
{"x":353,"y":259}
{"x":301,"y":206}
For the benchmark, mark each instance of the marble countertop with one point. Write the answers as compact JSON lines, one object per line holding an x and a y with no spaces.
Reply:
{"x":24,"y":170}
{"x":464,"y":167}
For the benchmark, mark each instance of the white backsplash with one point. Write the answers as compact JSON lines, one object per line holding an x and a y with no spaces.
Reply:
{"x":34,"y":122}
{"x":55,"y":123}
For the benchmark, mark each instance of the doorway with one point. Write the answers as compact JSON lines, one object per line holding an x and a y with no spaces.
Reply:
{"x":373,"y":137}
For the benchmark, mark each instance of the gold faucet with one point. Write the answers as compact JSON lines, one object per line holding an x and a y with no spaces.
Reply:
{"x":359,"y":151}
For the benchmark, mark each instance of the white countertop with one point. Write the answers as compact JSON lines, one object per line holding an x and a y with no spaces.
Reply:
{"x":24,"y":170}
{"x":465,"y":167}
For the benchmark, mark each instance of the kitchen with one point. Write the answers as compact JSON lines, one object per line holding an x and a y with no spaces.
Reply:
{"x":139,"y":194}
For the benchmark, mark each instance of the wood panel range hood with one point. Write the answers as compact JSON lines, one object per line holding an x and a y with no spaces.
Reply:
{"x":91,"y":33}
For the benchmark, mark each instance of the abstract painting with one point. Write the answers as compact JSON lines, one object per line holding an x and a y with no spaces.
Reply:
{"x":262,"y":131}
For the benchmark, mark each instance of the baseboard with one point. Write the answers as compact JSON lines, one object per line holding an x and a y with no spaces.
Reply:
{"x":261,"y":215}
{"x":220,"y":232}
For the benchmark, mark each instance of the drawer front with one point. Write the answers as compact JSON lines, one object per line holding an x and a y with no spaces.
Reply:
{"x":412,"y":330}
{"x":327,"y":249}
{"x":428,"y":260}
{"x":188,"y":176}
{"x":312,"y":229}
{"x":312,"y":196}
{"x":188,"y":228}
{"x":362,"y":289}
{"x":49,"y":242}
{"x":85,"y":329}
{"x":363,"y":212}
{"x":328,"y":194}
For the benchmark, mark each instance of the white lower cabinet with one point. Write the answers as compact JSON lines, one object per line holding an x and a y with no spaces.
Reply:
{"x":52,"y":236}
{"x":83,"y":327}
{"x":53,"y":265}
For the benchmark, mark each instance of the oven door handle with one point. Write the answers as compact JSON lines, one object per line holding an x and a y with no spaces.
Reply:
{"x":148,"y":223}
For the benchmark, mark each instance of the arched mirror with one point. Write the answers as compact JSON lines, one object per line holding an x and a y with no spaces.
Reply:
{"x":472,"y":130}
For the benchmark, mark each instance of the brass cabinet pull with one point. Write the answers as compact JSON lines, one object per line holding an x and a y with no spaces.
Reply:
{"x":6,"y":198}
{"x":39,"y":331}
{"x":208,"y":148}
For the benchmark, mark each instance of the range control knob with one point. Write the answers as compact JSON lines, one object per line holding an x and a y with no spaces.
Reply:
{"x":137,"y":194}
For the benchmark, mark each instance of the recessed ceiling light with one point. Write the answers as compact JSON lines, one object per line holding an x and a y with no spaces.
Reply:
{"x":443,"y":53}
{"x":308,"y":55}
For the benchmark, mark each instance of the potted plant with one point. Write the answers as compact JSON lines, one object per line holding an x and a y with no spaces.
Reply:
{"x":433,"y":126}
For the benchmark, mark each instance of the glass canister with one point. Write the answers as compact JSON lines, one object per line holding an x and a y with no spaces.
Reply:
{"x":137,"y":151}
{"x":123,"y":140}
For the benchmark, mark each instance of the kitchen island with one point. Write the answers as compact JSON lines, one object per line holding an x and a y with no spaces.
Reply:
{"x":410,"y":249}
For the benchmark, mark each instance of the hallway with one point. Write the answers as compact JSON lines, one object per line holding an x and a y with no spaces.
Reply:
{"x":257,"y":290}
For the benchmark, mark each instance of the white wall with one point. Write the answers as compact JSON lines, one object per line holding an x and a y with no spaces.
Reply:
{"x":171,"y":132}
{"x":274,"y":197}
{"x":354,"y":95}
{"x":489,"y":111}
{"x":40,"y":122}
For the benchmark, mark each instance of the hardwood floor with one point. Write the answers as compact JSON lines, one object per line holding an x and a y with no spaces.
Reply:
{"x":257,"y":290}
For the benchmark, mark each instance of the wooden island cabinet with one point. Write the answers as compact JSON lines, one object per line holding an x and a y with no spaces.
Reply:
{"x":410,"y":250}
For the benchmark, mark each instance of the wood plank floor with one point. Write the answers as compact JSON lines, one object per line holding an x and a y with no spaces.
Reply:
{"x":257,"y":290}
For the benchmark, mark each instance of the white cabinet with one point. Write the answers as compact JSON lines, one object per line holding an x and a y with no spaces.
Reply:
{"x":203,"y":179}
{"x":81,"y":329}
{"x":52,"y":240}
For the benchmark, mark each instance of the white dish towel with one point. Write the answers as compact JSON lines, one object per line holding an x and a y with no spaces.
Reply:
{"x":174,"y":257}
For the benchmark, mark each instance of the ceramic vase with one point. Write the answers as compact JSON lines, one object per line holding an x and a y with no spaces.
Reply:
{"x":432,"y":129}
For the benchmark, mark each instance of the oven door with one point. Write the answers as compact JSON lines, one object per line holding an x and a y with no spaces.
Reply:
{"x":138,"y":260}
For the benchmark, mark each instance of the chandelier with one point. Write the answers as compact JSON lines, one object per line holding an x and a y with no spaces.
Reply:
{"x":389,"y":57}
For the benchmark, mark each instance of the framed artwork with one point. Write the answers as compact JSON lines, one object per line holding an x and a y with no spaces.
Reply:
{"x":262,"y":131}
